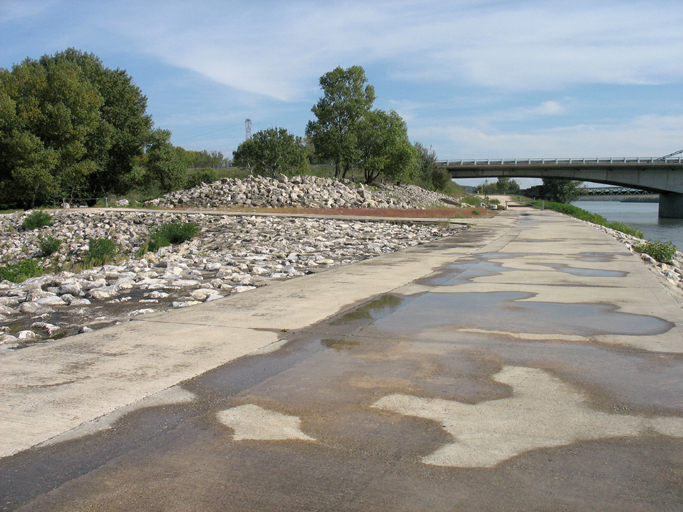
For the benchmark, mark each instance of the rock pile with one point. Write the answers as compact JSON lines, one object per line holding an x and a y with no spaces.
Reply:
{"x":299,"y":192}
{"x":232,"y":254}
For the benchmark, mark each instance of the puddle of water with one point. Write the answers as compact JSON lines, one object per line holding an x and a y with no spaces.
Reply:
{"x":595,"y":257}
{"x":622,"y":378}
{"x":585,"y":272}
{"x":503,"y":311}
{"x":340,"y":344}
{"x":373,"y":310}
{"x":463,"y":272}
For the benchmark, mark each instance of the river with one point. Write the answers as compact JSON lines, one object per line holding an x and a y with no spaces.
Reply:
{"x":639,"y":215}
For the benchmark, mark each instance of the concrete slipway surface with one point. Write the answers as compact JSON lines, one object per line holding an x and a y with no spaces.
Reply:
{"x":529,"y":363}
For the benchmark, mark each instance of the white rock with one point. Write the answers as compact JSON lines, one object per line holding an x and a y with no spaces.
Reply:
{"x":35,"y":295}
{"x":201,"y":294}
{"x":184,"y":303}
{"x":141,"y":312}
{"x":240,"y":289}
{"x":51,"y":301}
{"x":4,"y":310}
{"x":32,"y":308}
{"x":70,"y":288}
{"x":186,"y":283}
{"x":27,"y":336}
{"x":46,"y":328}
{"x":103,"y":293}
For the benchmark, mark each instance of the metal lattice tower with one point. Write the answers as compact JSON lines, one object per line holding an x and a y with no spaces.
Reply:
{"x":247,"y":128}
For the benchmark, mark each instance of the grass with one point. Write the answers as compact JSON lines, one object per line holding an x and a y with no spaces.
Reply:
{"x":580,"y":213}
{"x":49,"y":245}
{"x":19,"y":272}
{"x":36,"y":219}
{"x":169,"y":233}
{"x":472,"y":200}
{"x":100,"y":252}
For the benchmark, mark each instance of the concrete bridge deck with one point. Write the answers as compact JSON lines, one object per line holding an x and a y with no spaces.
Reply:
{"x":663,"y":176}
{"x":531,"y":362}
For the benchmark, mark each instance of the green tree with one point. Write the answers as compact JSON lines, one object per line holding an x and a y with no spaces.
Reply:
{"x":441,"y":179}
{"x":166,"y":165}
{"x":205,"y":160}
{"x":559,"y":190}
{"x":49,"y":119}
{"x":427,"y":162}
{"x":505,"y":184}
{"x":68,"y":126}
{"x":125,"y":127}
{"x":345,"y":102}
{"x":272,"y":151}
{"x":384,"y":148}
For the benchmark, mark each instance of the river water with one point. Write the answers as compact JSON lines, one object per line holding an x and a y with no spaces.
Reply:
{"x":639,"y":215}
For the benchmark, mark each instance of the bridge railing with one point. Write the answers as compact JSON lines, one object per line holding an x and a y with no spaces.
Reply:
{"x":562,"y":161}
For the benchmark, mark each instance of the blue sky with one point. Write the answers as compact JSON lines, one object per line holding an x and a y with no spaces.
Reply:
{"x":472,"y":78}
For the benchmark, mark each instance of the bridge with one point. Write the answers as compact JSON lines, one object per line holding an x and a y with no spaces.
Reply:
{"x":612,"y":191}
{"x":663,"y":175}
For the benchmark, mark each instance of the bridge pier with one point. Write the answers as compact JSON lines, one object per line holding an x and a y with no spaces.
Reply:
{"x":671,"y":206}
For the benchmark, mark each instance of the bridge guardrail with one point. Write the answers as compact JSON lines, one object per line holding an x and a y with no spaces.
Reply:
{"x":561,"y":161}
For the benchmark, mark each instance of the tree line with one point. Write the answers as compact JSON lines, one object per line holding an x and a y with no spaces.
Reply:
{"x":70,"y":127}
{"x":347,"y":133}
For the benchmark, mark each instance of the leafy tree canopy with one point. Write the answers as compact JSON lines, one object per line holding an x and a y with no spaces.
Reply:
{"x":205,"y":160}
{"x":560,"y":191}
{"x":427,"y":162}
{"x":346,"y":100}
{"x":384,"y":147}
{"x":49,"y":120}
{"x":68,"y":126}
{"x":272,"y":151}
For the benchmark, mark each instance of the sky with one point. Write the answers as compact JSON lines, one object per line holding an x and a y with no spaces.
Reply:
{"x":472,"y":78}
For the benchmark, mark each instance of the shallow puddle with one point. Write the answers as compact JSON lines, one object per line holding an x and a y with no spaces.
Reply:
{"x":505,"y":311}
{"x":585,"y":272}
{"x":373,"y":310}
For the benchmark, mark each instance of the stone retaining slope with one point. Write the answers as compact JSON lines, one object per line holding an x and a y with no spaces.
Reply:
{"x":232,"y":254}
{"x":300,"y":192}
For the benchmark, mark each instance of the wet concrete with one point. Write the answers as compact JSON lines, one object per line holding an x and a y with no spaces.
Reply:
{"x":425,"y":398}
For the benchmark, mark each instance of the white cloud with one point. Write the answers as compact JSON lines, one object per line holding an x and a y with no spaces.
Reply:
{"x":279,"y":49}
{"x":641,"y":136}
{"x":11,"y":10}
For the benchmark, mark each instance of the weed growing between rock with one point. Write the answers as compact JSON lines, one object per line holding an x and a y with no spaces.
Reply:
{"x":663,"y":252}
{"x":36,"y":219}
{"x":19,"y":272}
{"x":49,"y":245}
{"x":100,"y":252}
{"x":170,"y":233}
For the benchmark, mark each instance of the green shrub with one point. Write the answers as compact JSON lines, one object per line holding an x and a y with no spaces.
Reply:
{"x":36,"y":219}
{"x":473,"y":200}
{"x":171,"y":233}
{"x":100,"y":251}
{"x":579,"y":213}
{"x":196,"y":178}
{"x":661,"y":251}
{"x":18,"y":272}
{"x":440,"y":179}
{"x":476,"y":212}
{"x":625,"y":228}
{"x":49,"y":245}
